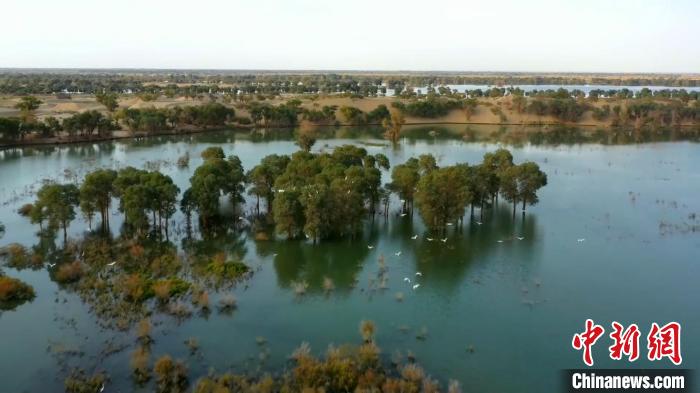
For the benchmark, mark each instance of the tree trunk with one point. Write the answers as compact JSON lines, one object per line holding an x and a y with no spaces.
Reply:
{"x":523,"y":205}
{"x":515,"y":202}
{"x":65,"y":234}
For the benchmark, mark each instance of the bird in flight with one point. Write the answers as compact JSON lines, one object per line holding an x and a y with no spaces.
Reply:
{"x":370,"y":247}
{"x":419,"y":274}
{"x":406,"y":279}
{"x":520,"y":238}
{"x":444,"y":240}
{"x":581,"y":240}
{"x":430,"y":239}
{"x":112,"y":264}
{"x":404,"y":214}
{"x":397,"y":253}
{"x":414,"y":237}
{"x":415,"y":286}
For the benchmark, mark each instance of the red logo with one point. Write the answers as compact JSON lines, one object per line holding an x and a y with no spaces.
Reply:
{"x":662,"y":342}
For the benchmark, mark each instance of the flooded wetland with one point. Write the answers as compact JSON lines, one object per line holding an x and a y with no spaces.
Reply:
{"x":492,"y":303}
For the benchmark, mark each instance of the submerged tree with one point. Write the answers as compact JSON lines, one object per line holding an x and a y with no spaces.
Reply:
{"x":57,"y":203}
{"x":393,"y":125}
{"x":96,"y":193}
{"x":216,"y":177}
{"x":530,"y":180}
{"x":442,"y":195}
{"x":262,"y":178}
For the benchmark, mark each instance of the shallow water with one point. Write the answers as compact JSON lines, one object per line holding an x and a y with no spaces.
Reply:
{"x":638,"y":264}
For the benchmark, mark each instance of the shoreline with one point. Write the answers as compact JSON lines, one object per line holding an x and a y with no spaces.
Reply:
{"x":128,"y":135}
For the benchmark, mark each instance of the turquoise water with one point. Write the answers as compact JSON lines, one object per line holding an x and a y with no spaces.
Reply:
{"x":516,"y":302}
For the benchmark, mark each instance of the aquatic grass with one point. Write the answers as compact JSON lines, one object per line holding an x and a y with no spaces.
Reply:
{"x":367,"y":330}
{"x":192,"y":344}
{"x":227,"y":303}
{"x":79,"y":382}
{"x":140,"y":370}
{"x":143,"y":331}
{"x":171,"y":375}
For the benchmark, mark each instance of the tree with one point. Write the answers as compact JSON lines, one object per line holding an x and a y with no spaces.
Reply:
{"x":404,"y":178}
{"x":306,"y":137}
{"x":393,"y":126}
{"x":469,"y":107}
{"x":27,"y":105}
{"x":96,"y":194}
{"x":214,"y":178}
{"x":509,"y":185}
{"x":441,"y":196}
{"x":262,"y":178}
{"x":109,"y":100}
{"x":530,"y":179}
{"x":59,"y":200}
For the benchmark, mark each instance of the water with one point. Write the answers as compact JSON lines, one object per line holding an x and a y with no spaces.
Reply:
{"x":638,"y":264}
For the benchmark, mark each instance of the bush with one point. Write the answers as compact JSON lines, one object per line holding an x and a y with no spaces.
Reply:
{"x":69,"y":273}
{"x":14,"y":292}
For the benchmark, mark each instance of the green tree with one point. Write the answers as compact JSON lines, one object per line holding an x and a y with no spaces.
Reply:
{"x":109,"y":100}
{"x":96,"y":193}
{"x":262,"y":178}
{"x":27,"y":105}
{"x":214,"y":178}
{"x":441,"y":196}
{"x":530,"y":180}
{"x":59,"y":202}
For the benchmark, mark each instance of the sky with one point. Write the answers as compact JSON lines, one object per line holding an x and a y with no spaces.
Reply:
{"x":436,"y":35}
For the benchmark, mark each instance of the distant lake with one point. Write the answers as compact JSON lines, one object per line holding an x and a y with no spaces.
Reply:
{"x":517,"y":302}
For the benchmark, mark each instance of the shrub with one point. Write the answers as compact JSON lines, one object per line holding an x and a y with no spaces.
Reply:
{"x":14,"y":292}
{"x":139,"y":365}
{"x":70,"y":272}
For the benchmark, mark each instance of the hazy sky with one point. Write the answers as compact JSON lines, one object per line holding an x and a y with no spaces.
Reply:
{"x":460,"y":35}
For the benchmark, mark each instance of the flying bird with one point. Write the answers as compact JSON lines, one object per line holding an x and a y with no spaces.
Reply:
{"x":52,"y":264}
{"x":500,"y":241}
{"x":404,"y":214}
{"x":581,"y":240}
{"x":112,"y":264}
{"x":406,"y":279}
{"x":419,"y":274}
{"x":414,"y":237}
{"x":520,"y":238}
{"x":415,"y":286}
{"x":430,"y":239}
{"x":449,"y":224}
{"x":280,"y":190}
{"x":397,"y":253}
{"x":444,"y":240}
{"x":370,"y":247}
{"x":478,"y":222}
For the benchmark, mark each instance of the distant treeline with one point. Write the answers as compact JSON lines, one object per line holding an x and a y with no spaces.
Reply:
{"x":194,"y":83}
{"x":94,"y":123}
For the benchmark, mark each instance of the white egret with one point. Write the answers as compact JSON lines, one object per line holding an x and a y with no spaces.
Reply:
{"x":370,"y":247}
{"x":415,"y":286}
{"x":444,"y":240}
{"x":419,"y":274}
{"x":581,"y":240}
{"x":406,"y":279}
{"x":112,"y":264}
{"x":397,"y":253}
{"x":414,"y":237}
{"x":430,"y":239}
